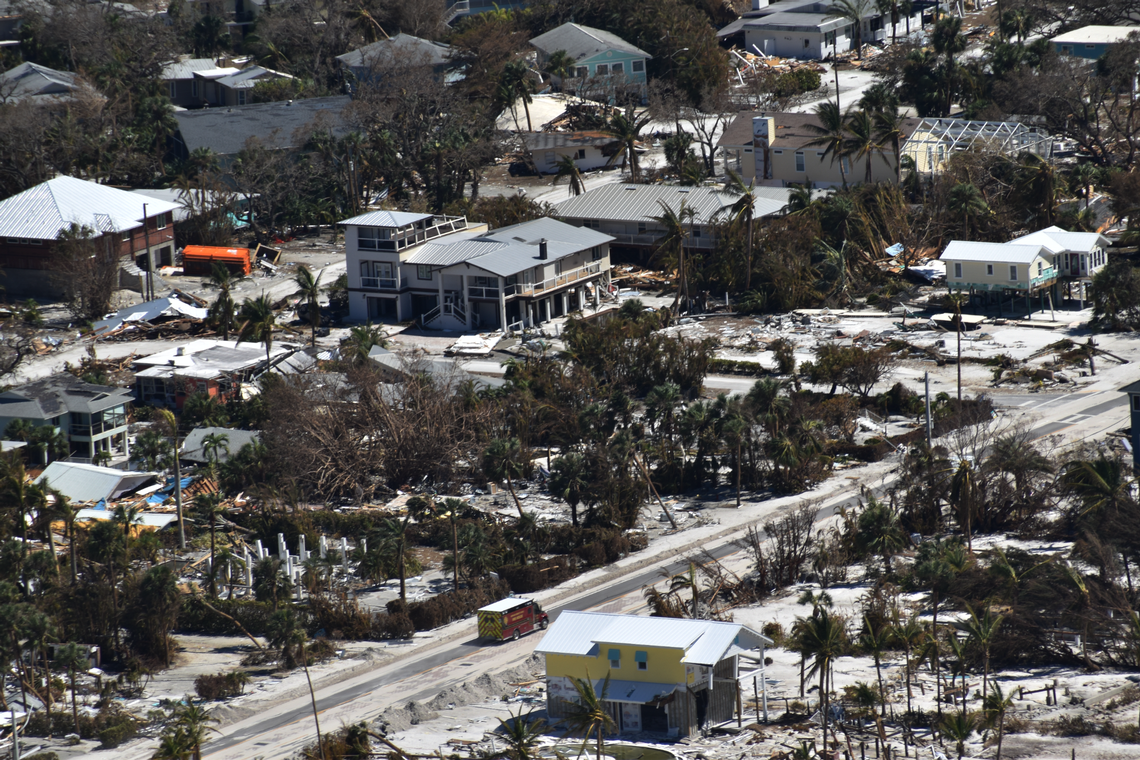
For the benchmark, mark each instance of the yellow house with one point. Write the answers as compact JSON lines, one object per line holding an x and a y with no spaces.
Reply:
{"x":667,"y":675}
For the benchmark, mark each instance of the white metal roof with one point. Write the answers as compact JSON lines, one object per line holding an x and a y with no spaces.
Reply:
{"x":1094,"y":34}
{"x":145,"y":312}
{"x":386,"y":219}
{"x":583,"y":42}
{"x":88,"y":482}
{"x":704,"y":641}
{"x":1001,"y":253}
{"x":504,"y":605}
{"x":43,"y":211}
{"x":1058,"y":240}
{"x":620,"y":202}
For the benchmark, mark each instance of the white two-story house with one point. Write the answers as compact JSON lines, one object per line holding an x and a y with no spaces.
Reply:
{"x":448,"y":274}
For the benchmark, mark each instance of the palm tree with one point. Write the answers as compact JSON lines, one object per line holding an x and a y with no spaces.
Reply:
{"x":822,"y":639}
{"x":743,"y":210}
{"x":560,"y":65}
{"x":194,"y":721}
{"x":221,"y":313}
{"x":309,"y":288}
{"x":947,"y":39}
{"x":210,"y":505}
{"x":994,"y":706}
{"x":391,"y":541}
{"x":285,"y":631}
{"x":72,"y":657}
{"x":504,"y":460}
{"x":626,"y":129}
{"x":62,"y":508}
{"x":671,"y":246}
{"x":889,"y":131}
{"x":173,"y":744}
{"x":908,"y":633}
{"x":590,"y":714}
{"x":853,"y":12}
{"x":522,"y":735}
{"x":361,"y":340}
{"x":862,"y":140}
{"x":570,"y":480}
{"x":875,"y":640}
{"x":966,"y":203}
{"x":568,"y":168}
{"x":959,"y":726}
{"x":171,"y":422}
{"x":832,"y":134}
{"x":257,"y":322}
{"x":519,"y":84}
{"x":269,"y":581}
{"x":1082,"y":179}
{"x":982,"y":630}
{"x":1100,"y":485}
{"x":1037,"y":184}
{"x":212,"y":446}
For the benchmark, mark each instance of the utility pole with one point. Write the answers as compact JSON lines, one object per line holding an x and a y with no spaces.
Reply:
{"x":149,"y":263}
{"x":929,"y":424}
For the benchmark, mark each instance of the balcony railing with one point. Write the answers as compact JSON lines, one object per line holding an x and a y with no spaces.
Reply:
{"x":1046,"y":275}
{"x":97,"y":428}
{"x":378,"y":283}
{"x":474,"y":292}
{"x":552,"y":283}
{"x":402,"y":238}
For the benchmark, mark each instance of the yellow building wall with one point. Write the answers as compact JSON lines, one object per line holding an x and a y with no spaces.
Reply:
{"x":664,"y":665}
{"x":974,"y":274}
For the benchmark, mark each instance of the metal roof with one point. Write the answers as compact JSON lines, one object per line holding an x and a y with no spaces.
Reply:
{"x":1002,"y":253}
{"x":505,"y":605}
{"x":1057,"y":240}
{"x":224,"y":130}
{"x":186,"y":68}
{"x":641,"y":203}
{"x":582,"y":42}
{"x":1093,"y":34}
{"x":248,"y":77}
{"x":149,"y":311}
{"x":43,"y":211}
{"x":405,"y":46}
{"x":444,"y":254}
{"x":88,"y":482}
{"x":213,"y":356}
{"x":704,"y":641}
{"x":53,"y":395}
{"x":193,"y":449}
{"x":385,"y":219}
{"x":36,"y":82}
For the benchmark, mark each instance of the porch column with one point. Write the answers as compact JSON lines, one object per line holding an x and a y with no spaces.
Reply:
{"x":439,"y":273}
{"x":565,"y":303}
{"x":503,"y":302}
{"x":466,"y":301}
{"x":598,"y":294}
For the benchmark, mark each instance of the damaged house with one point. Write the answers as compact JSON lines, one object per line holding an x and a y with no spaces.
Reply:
{"x":667,"y":675}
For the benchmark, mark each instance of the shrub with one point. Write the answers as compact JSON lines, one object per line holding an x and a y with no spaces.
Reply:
{"x":221,"y":685}
{"x":775,"y":632}
{"x":792,"y":83}
{"x":254,"y":616}
{"x":112,"y":737}
{"x":387,"y":626}
{"x":44,"y":756}
{"x":525,"y":579}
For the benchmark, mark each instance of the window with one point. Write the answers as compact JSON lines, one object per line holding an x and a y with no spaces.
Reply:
{"x":641,"y":228}
{"x":591,"y":224}
{"x":160,"y":222}
{"x":193,"y":88}
{"x":369,"y":238}
{"x":377,"y":274}
{"x":696,"y":232}
{"x":581,"y":72}
{"x":1040,"y":269}
{"x":1136,"y":403}
{"x":1066,"y":50}
{"x":241,"y":97}
{"x":581,"y":153}
{"x":990,"y":269}
{"x":642,"y":659}
{"x":617,"y":68}
{"x":172,"y":89}
{"x":1013,"y":271}
{"x":801,"y":165}
{"x":1089,"y":47}
{"x":846,"y":165}
{"x":637,"y":67}
{"x":807,"y":42}
{"x":24,"y":241}
{"x":615,"y":659}
{"x":602,"y":69}
{"x":126,"y":235}
{"x":595,"y":253}
{"x":423,"y":272}
{"x":957,"y":270}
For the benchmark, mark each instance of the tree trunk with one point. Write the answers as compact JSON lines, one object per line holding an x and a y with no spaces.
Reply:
{"x":74,"y":706}
{"x":313,"y":698}
{"x":213,"y":570}
{"x":455,"y":553}
{"x":748,"y":273}
{"x":511,"y":488}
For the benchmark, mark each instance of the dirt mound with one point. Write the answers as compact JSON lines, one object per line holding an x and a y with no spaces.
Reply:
{"x":485,"y":687}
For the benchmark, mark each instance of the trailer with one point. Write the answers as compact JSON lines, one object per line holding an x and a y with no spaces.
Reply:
{"x":510,"y":618}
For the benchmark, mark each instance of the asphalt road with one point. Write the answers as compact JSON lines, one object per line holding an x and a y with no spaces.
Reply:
{"x":1101,"y":402}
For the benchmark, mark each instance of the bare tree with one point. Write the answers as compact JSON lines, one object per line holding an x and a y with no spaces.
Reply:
{"x":86,"y":269}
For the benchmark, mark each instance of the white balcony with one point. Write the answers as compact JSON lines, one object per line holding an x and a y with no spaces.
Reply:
{"x":553,"y":283}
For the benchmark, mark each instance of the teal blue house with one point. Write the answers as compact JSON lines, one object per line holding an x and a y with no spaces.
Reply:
{"x":606,"y":67}
{"x":1091,"y":41}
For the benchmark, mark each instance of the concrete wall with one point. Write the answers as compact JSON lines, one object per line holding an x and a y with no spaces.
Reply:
{"x":546,"y":160}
